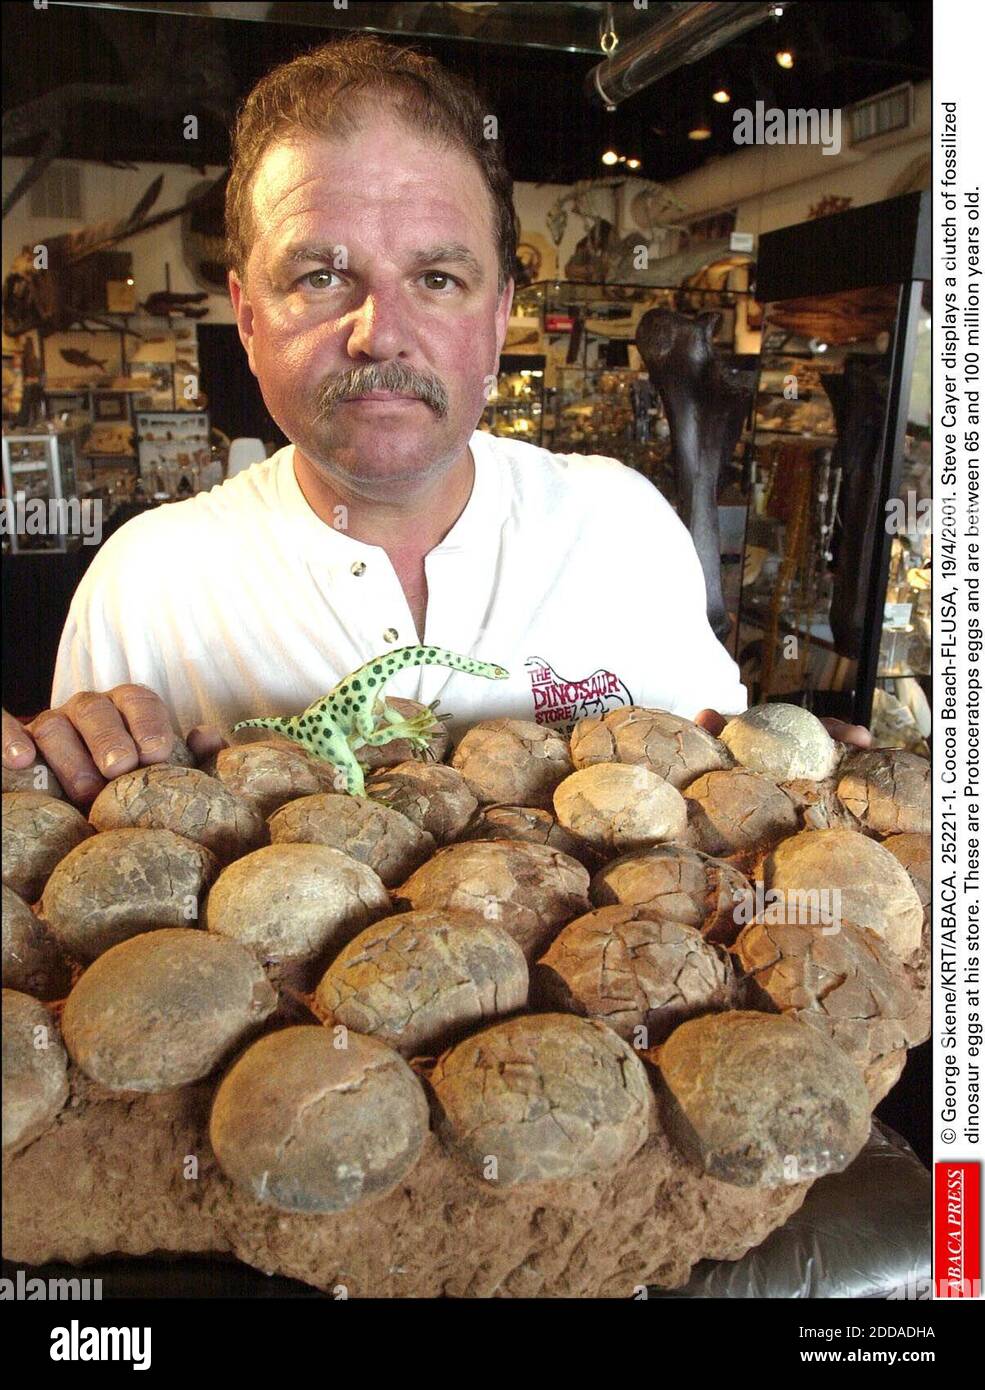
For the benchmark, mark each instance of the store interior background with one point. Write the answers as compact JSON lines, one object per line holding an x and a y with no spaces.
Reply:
{"x":532,"y":61}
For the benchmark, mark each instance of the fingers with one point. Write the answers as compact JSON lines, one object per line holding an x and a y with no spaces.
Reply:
{"x":97,"y":736}
{"x":204,"y":741}
{"x":148,"y":721}
{"x":855,"y":735}
{"x":18,"y":747}
{"x":711,"y":720}
{"x":67,"y":756}
{"x":102,"y":730}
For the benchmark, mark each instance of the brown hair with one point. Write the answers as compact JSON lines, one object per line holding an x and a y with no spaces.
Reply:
{"x":314,"y":92}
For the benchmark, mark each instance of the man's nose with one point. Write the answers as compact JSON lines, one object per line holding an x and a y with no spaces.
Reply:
{"x":378,"y":328}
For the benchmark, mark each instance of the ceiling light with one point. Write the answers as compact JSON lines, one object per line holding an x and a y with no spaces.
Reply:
{"x":700,"y":130}
{"x":610,"y":157}
{"x":785,"y":58}
{"x":721,"y":96}
{"x":632,"y":163}
{"x":777,"y":11}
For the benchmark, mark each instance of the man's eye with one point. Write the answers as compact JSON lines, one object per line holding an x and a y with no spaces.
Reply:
{"x":317,"y":279}
{"x":439,"y":275}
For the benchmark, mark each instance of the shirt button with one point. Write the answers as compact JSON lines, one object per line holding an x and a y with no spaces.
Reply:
{"x":358,"y":567}
{"x":391,"y":635}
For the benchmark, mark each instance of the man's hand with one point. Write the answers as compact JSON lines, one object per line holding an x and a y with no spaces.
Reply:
{"x":94,"y":737}
{"x":856,"y":735}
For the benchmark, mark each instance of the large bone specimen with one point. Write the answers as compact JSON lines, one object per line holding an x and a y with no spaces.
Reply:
{"x":858,"y":399}
{"x":705,"y":401}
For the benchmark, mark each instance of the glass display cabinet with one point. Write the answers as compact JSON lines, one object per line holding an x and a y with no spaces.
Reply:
{"x":835,"y":596}
{"x":39,"y":467}
{"x":516,"y":407}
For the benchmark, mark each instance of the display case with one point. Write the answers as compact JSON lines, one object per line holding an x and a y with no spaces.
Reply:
{"x":596,"y":395}
{"x":173,"y":449}
{"x":39,"y":483}
{"x":516,"y":406}
{"x":836,"y":587}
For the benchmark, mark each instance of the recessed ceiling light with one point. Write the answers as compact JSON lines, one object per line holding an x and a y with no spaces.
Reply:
{"x":721,"y":96}
{"x":610,"y":157}
{"x":700,"y":130}
{"x":785,"y":58}
{"x":632,"y":163}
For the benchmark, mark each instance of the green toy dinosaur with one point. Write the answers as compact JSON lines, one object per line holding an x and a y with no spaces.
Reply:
{"x":345,"y":719}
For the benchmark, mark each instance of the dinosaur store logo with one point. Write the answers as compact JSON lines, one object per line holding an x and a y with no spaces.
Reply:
{"x":558,"y":701}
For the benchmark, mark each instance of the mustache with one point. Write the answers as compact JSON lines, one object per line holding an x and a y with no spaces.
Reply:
{"x":382,"y":376}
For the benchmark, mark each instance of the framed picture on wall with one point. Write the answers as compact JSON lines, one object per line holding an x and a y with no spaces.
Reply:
{"x":110,"y":405}
{"x":74,"y":404}
{"x":153,"y":385}
{"x":79,"y":359}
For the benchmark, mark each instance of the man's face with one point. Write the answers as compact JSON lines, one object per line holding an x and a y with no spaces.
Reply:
{"x":374,"y":265}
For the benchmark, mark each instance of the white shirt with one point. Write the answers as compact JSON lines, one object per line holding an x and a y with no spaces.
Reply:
{"x":571,"y":571}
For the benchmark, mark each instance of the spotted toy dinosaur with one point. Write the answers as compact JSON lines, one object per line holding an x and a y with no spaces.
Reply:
{"x":345,"y":719}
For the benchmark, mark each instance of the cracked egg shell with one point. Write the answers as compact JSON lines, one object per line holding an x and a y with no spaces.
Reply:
{"x":184,"y":800}
{"x":679,"y":883}
{"x":542,"y":1097}
{"x":526,"y":823}
{"x":641,"y":974}
{"x":306,"y":1125}
{"x":295,"y":902}
{"x":513,"y":761}
{"x":873,"y":889}
{"x":38,"y":832}
{"x":164,"y":1009}
{"x":367,"y":831}
{"x":782,"y":742}
{"x":121,"y":883}
{"x":914,"y":853}
{"x":436,"y":798}
{"x":32,"y":962}
{"x":676,"y":749}
{"x":268,"y":775}
{"x":844,"y":982}
{"x":418,"y":980}
{"x":530,"y":890}
{"x":36,"y":777}
{"x":35,"y":1070}
{"x":735,"y":811}
{"x":615,"y":807}
{"x":887,"y":790}
{"x":759,"y":1100}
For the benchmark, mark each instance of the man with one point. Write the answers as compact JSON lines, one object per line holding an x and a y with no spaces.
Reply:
{"x":372,"y":238}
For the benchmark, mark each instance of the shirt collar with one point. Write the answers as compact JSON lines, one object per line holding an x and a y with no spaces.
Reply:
{"x":475,"y":525}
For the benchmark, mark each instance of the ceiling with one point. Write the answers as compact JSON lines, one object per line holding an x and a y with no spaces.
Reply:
{"x":531,"y":60}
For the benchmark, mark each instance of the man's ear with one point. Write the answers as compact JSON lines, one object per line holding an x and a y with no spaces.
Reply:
{"x":503,"y":314}
{"x":244,"y":316}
